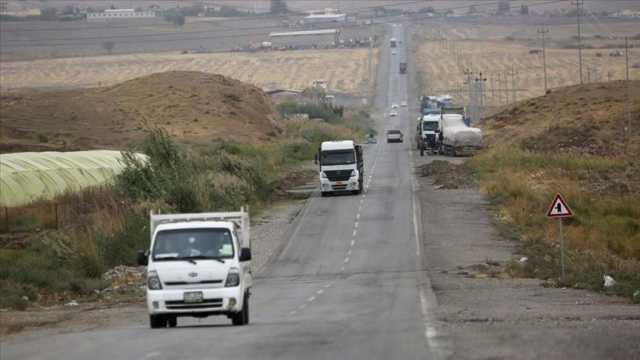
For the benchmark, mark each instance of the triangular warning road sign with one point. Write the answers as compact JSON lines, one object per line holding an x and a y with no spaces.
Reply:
{"x":559,"y":208}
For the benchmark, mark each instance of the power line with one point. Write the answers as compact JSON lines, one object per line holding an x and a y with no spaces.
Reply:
{"x":544,"y":31}
{"x":578,"y":16}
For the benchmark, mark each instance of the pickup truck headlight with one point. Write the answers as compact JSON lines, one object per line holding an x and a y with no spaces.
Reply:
{"x":354,"y":173}
{"x":323,"y":175}
{"x":153,"y":281}
{"x":233,"y":278}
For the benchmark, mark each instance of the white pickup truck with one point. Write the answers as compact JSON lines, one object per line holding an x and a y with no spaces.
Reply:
{"x":198,"y":265}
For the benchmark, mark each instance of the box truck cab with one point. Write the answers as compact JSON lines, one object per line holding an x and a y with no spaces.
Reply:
{"x":341,"y":167}
{"x":427,"y":133}
{"x":198,"y":265}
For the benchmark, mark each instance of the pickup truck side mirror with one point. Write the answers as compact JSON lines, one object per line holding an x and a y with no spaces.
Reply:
{"x":315,"y":159}
{"x":143,"y":259}
{"x":245,"y":254}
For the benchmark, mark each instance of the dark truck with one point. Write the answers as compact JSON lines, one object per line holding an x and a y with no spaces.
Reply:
{"x":403,"y":68}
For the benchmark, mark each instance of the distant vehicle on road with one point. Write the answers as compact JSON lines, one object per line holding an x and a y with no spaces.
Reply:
{"x":403,"y":104}
{"x":198,"y":265}
{"x":427,"y":133}
{"x":393,"y":52}
{"x":393,"y":42}
{"x":394,"y":136}
{"x":371,"y":139}
{"x":393,"y":113}
{"x":394,"y":106}
{"x":341,"y":167}
{"x":403,"y":68}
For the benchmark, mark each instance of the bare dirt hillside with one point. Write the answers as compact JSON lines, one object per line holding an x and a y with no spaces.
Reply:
{"x":586,"y":120}
{"x":194,"y":107}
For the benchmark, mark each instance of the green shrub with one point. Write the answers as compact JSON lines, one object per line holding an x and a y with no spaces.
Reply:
{"x":324,"y":111}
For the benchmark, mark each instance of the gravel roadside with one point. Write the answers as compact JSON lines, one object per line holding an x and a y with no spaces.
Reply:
{"x":269,"y":234}
{"x":489,"y":315}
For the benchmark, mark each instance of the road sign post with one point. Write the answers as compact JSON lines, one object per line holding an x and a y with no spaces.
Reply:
{"x":560,"y":210}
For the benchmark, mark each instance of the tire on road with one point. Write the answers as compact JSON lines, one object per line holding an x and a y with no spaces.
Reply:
{"x":157,"y":321}
{"x":172,"y":321}
{"x":242,"y":317}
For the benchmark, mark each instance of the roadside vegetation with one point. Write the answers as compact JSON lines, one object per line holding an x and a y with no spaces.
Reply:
{"x":107,"y":225}
{"x":565,"y":143}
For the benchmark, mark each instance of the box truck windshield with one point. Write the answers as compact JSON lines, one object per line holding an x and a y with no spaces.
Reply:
{"x":430,"y":126}
{"x":337,"y":157}
{"x":181,"y":244}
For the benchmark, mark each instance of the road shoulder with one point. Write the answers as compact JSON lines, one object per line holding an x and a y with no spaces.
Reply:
{"x":488,"y":314}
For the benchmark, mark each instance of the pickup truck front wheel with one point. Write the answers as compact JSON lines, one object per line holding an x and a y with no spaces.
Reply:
{"x":157,"y":321}
{"x":242,"y":318}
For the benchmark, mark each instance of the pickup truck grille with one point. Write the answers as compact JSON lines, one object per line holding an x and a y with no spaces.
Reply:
{"x":338,"y":175}
{"x":180,"y":304}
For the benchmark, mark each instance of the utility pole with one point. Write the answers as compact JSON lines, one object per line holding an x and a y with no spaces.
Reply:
{"x":578,"y":16}
{"x":479,"y":84}
{"x":468,"y":75}
{"x":493,"y":90}
{"x":626,"y":56}
{"x":628,"y":92}
{"x":544,"y":31}
{"x":513,"y":83}
{"x":370,"y":58}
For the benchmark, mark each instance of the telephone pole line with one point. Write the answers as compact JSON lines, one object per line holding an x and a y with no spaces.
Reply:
{"x":626,"y":55}
{"x":627,"y":93}
{"x":513,"y":83}
{"x":579,"y":4}
{"x":544,"y":31}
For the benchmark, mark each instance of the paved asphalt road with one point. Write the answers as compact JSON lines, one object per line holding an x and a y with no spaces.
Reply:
{"x":347,"y":285}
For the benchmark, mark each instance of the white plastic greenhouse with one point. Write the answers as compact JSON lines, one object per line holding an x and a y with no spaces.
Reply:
{"x":29,"y":176}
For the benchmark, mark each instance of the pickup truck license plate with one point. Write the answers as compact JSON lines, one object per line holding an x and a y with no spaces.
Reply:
{"x":339,"y":183}
{"x":193,"y":297}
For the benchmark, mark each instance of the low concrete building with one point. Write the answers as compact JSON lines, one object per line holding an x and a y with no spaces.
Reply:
{"x":111,"y":14}
{"x":308,"y":38}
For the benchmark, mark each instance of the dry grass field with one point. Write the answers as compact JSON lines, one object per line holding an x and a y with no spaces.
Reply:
{"x":501,"y":51}
{"x":344,"y":69}
{"x":442,"y":64}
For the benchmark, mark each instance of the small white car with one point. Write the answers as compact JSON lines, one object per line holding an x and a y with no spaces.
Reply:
{"x":403,"y":104}
{"x":393,"y":52}
{"x":393,"y":113}
{"x":394,"y":106}
{"x":394,"y":136}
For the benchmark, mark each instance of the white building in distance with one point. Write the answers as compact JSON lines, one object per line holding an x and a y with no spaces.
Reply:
{"x":110,"y":14}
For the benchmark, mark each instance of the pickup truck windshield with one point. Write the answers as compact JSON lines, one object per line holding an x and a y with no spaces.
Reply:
{"x":430,"y":126}
{"x":181,"y":244}
{"x":337,"y":157}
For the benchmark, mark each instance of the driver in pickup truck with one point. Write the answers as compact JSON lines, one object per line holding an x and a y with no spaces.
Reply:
{"x":215,"y":246}
{"x":193,"y":248}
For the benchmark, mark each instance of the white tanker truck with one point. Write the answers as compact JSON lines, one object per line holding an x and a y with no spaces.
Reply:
{"x":456,"y":137}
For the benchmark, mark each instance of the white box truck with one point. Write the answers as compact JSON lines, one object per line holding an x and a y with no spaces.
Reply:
{"x":198,"y":265}
{"x":341,"y":167}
